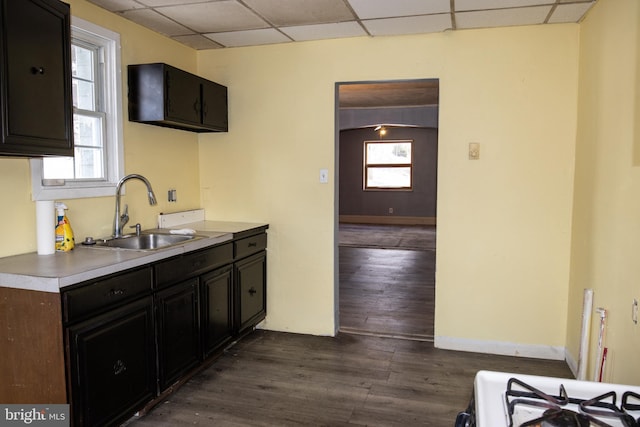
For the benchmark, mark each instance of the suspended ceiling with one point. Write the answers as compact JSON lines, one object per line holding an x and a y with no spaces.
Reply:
{"x":214,"y":24}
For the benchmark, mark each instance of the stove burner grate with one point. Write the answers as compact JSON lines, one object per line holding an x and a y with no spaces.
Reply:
{"x":591,"y":411}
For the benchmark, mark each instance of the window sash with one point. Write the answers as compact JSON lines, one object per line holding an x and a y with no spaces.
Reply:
{"x":386,"y":171}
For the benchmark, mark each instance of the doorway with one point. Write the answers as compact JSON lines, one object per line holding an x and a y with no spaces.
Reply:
{"x":385,"y":237}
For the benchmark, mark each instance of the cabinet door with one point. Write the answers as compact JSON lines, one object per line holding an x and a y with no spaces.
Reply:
{"x":112,"y":364}
{"x":216,"y":303}
{"x":178,"y":331}
{"x":214,"y":106}
{"x":251,"y":285}
{"x":36,"y":78}
{"x":183,"y":101}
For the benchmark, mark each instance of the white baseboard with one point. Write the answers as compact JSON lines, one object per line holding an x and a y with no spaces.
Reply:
{"x":391,"y":220}
{"x":572,"y":362}
{"x":501,"y":347}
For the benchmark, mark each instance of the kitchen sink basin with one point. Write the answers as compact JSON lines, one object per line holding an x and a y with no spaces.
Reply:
{"x":145,"y":241}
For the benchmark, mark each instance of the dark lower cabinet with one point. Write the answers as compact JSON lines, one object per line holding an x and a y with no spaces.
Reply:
{"x":251,"y":286}
{"x":178,"y":331}
{"x":112,"y":359}
{"x":217,"y":309}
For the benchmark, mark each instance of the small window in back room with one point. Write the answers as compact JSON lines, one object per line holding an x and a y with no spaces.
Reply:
{"x":388,"y":165}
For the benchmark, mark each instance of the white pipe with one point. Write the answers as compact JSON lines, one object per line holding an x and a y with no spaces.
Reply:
{"x":597,"y":372}
{"x":583,"y":357}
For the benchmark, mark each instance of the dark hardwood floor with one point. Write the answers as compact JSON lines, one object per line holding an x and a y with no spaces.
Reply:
{"x":387,"y":292}
{"x":366,"y":378}
{"x":282,"y":379}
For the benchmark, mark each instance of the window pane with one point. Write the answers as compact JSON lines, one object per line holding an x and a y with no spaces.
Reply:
{"x":87,"y":130}
{"x":396,"y":153}
{"x":397,"y":177}
{"x":81,"y":62}
{"x":57,"y":168}
{"x":83,"y":95}
{"x":88,"y":163}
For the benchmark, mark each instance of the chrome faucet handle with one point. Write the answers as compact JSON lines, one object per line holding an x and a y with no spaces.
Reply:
{"x":124,"y":218}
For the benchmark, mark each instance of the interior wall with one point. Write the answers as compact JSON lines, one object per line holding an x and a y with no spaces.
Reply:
{"x":420,"y":201}
{"x":606,"y":230}
{"x":168,"y":158}
{"x":503,"y":221}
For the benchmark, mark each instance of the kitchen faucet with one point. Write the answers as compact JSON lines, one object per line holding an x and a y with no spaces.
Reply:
{"x":121,"y":220}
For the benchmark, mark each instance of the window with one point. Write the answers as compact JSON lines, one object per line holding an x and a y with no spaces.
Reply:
{"x":388,"y":165}
{"x":97,"y":121}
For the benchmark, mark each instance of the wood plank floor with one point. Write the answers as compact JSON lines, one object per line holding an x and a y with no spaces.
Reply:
{"x":387,"y":292}
{"x":281,"y":379}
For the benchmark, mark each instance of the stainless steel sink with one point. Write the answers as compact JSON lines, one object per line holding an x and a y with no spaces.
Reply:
{"x":146,"y":241}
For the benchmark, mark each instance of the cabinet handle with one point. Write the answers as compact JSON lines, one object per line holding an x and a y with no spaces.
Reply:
{"x":119,"y":367}
{"x":253,"y":244}
{"x":252,"y":291}
{"x":37,"y":70}
{"x":116,"y":292}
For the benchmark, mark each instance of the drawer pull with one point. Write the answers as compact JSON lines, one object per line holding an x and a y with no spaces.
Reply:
{"x":116,"y":292}
{"x":252,"y":291}
{"x":119,"y":367}
{"x":253,"y":244}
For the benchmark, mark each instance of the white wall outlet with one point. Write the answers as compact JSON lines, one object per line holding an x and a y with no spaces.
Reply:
{"x":474,"y":151}
{"x":390,"y":210}
{"x":324,"y":176}
{"x":172,"y":195}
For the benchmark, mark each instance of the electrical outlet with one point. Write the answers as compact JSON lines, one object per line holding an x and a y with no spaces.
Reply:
{"x":634,"y":311}
{"x":172,"y":195}
{"x":390,"y":210}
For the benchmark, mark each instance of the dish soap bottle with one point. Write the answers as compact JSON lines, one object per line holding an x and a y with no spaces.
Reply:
{"x":64,"y":234}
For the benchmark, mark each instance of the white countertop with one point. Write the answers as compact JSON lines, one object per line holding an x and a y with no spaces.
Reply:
{"x":50,"y":273}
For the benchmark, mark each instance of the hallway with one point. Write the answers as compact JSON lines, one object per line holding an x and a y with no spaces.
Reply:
{"x":387,"y":292}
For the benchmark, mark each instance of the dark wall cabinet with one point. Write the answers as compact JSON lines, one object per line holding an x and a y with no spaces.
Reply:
{"x":35,"y":78}
{"x":131,"y":336}
{"x":162,"y":95}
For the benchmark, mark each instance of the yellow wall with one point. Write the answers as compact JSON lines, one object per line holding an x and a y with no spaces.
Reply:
{"x":503,"y":221}
{"x":168,"y":158}
{"x":606,"y":234}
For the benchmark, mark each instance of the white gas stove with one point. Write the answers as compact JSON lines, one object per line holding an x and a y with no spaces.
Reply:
{"x":506,"y":399}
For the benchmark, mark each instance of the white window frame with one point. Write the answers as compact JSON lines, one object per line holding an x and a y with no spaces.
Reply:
{"x":114,"y":151}
{"x":366,"y":166}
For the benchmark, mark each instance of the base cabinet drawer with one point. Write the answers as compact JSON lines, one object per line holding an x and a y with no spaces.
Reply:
{"x":113,"y":369}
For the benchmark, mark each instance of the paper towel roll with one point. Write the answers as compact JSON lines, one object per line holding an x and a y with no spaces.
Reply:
{"x":46,"y":227}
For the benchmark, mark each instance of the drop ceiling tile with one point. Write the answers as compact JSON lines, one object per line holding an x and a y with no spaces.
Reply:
{"x":497,"y":4}
{"x":409,"y":25}
{"x":371,"y":9}
{"x":155,"y":21}
{"x":569,"y":12}
{"x":117,"y":5}
{"x":324,"y":31}
{"x":214,"y":17}
{"x":289,"y":13}
{"x":502,"y":17}
{"x":249,"y":37}
{"x":158,"y":3}
{"x":197,"y":42}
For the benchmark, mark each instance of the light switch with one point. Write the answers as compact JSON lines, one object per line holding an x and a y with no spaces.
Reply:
{"x":324,"y":176}
{"x":474,"y":151}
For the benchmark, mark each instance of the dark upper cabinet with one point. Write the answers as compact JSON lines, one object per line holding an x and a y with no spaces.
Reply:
{"x":35,"y":78}
{"x":162,"y":95}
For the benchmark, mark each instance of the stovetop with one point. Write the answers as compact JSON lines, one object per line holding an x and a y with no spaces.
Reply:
{"x":565,"y":401}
